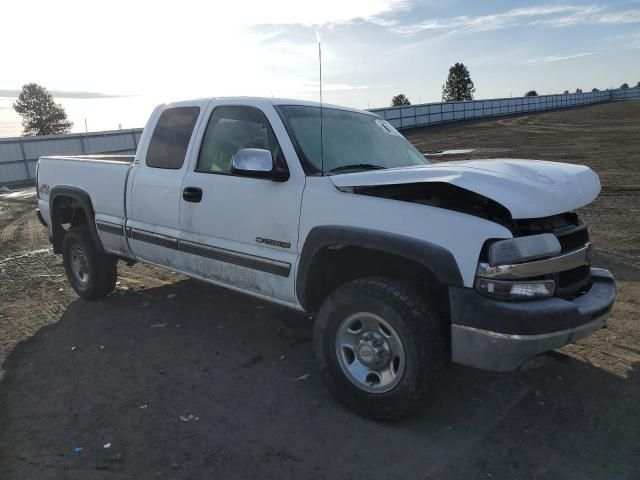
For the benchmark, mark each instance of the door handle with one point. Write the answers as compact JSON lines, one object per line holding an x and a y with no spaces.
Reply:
{"x":192,"y":194}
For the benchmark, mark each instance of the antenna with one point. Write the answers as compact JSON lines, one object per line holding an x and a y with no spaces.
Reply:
{"x":321,"y":130}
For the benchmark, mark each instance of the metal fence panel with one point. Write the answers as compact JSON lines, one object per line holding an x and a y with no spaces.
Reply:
{"x":58,"y":146}
{"x":12,"y":172}
{"x":110,"y":143}
{"x":19,"y":155}
{"x":10,"y":151}
{"x":434,"y":113}
{"x":628,"y":93}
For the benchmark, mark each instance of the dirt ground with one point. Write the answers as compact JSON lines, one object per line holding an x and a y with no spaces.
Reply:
{"x":121,"y":372}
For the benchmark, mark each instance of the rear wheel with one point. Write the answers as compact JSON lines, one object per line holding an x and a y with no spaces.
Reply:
{"x":92,"y":274}
{"x":380,"y":347}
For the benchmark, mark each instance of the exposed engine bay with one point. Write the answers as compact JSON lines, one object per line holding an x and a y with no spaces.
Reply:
{"x":440,"y":195}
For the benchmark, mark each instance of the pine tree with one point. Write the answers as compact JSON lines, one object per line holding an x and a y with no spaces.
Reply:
{"x":40,"y":114}
{"x":459,"y":85}
{"x":400,"y":100}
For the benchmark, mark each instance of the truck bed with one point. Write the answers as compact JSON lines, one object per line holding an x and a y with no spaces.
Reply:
{"x":102,"y":177}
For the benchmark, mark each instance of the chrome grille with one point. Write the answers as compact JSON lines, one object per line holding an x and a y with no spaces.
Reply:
{"x":572,"y":233}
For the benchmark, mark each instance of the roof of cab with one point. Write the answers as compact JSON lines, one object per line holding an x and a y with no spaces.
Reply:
{"x":275,"y":102}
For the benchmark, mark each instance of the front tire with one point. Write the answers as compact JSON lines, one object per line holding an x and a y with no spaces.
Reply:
{"x":380,"y":347}
{"x":92,"y":274}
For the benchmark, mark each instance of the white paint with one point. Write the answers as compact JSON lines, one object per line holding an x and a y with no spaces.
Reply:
{"x":527,"y":188}
{"x":155,"y":195}
{"x":463,"y":235}
{"x":235,"y":210}
{"x":449,"y":152}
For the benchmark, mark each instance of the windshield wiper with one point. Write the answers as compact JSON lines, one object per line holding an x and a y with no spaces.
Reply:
{"x":357,"y":166}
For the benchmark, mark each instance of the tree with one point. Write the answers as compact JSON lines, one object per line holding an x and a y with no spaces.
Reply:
{"x":638,"y":84}
{"x":531,"y":93}
{"x":400,"y":101}
{"x":578,"y":90}
{"x":459,"y":85}
{"x":40,"y":114}
{"x":566,"y":92}
{"x":624,"y":86}
{"x":595,"y":90}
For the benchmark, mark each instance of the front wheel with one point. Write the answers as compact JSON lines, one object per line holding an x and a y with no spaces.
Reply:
{"x":380,"y":347}
{"x":92,"y":274}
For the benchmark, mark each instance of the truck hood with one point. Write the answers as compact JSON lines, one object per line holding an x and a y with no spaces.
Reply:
{"x":527,"y":188}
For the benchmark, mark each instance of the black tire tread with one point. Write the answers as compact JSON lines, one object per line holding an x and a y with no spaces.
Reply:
{"x":106,"y":273}
{"x":425,"y":324}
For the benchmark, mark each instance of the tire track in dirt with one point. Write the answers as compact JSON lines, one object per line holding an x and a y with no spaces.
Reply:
{"x":21,"y":231}
{"x":8,"y":232}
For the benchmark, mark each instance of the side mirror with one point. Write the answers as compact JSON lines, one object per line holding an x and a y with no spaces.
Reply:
{"x":256,"y":163}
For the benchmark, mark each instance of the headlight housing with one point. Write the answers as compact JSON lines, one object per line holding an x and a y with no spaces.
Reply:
{"x":523,"y":249}
{"x":500,"y":254}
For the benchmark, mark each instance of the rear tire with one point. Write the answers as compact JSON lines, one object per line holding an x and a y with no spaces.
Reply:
{"x":92,"y":274}
{"x":380,"y":347}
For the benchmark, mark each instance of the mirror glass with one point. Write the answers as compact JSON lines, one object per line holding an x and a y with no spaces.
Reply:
{"x":253,"y":160}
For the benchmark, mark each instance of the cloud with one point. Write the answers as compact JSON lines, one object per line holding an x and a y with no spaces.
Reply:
{"x":628,"y":16}
{"x":13,"y":93}
{"x":510,"y":18}
{"x":556,"y":58}
{"x":631,"y":40}
{"x":594,"y":15}
{"x":552,"y":15}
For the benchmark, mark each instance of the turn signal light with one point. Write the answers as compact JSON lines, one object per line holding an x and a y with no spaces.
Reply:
{"x":515,"y":289}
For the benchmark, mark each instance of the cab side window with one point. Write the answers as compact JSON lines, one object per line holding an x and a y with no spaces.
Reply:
{"x":170,"y":139}
{"x":230,"y":129}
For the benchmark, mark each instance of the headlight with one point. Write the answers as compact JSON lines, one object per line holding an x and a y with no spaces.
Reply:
{"x":516,"y":289}
{"x":523,"y":249}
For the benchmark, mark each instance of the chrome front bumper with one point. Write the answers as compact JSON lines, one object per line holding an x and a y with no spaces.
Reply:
{"x":500,"y":352}
{"x":503,"y":336}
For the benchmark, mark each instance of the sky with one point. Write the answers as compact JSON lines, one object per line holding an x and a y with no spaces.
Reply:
{"x":110,"y":63}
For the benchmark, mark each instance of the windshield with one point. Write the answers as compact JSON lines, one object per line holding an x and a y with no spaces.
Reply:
{"x":352,"y":141}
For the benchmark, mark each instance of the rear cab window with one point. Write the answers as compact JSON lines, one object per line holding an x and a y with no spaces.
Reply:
{"x":170,"y":139}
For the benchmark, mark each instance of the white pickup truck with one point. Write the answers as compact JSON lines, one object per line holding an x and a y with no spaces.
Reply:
{"x":405,"y":265}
